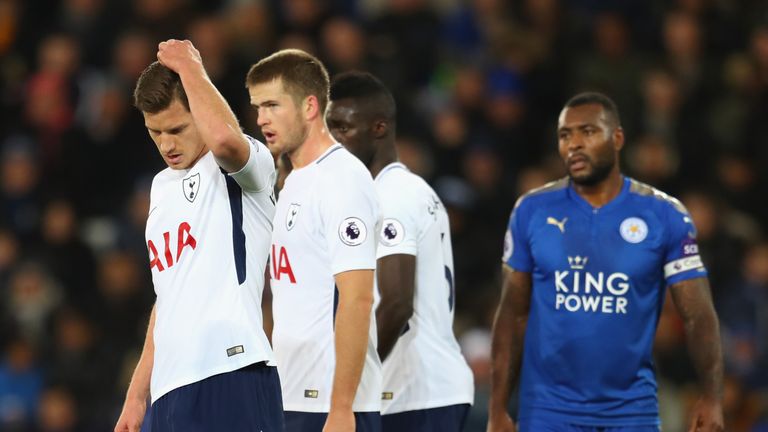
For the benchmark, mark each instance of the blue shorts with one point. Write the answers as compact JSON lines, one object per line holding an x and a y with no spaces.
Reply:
{"x":297,"y":421}
{"x":247,"y":399}
{"x":442,"y":419}
{"x":542,"y":425}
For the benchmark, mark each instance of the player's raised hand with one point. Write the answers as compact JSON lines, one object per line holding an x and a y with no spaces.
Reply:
{"x":132,"y":416}
{"x":501,"y":423}
{"x":179,"y":55}
{"x":707,"y":416}
{"x":340,"y":421}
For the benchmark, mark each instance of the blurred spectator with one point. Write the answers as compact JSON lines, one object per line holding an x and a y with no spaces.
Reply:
{"x":58,"y":411}
{"x":343,"y":45}
{"x":79,"y":361}
{"x":61,"y":250}
{"x":32,"y":296}
{"x":20,"y":186}
{"x":20,"y":384}
{"x":744,"y":315}
{"x":722,"y":236}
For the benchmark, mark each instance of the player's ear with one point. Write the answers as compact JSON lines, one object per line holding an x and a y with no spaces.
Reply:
{"x":618,"y":138}
{"x":311,"y":107}
{"x":380,"y":128}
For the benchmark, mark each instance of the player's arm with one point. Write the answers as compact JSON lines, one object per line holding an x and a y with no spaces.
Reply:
{"x":353,"y":319}
{"x":507,"y":345}
{"x":135,"y":405}
{"x":693,"y":300}
{"x":396,"y":277}
{"x":213,"y":117}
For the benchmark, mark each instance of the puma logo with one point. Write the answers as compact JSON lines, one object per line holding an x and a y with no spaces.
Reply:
{"x":559,"y":224}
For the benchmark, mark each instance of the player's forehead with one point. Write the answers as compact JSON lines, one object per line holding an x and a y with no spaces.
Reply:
{"x":172,"y":117}
{"x":581,"y":115}
{"x":272,"y":90}
{"x":346,"y":109}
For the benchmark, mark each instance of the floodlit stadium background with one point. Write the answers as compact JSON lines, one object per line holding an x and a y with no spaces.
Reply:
{"x":479,"y":85}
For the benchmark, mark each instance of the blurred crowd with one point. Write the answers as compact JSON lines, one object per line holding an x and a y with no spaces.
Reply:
{"x":479,"y":85}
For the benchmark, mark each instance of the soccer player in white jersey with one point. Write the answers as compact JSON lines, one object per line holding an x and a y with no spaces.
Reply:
{"x":427,"y":383}
{"x":323,"y":254}
{"x":205,"y":358}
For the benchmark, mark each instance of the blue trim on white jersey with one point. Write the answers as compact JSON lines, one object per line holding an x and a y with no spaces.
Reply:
{"x":238,"y":235}
{"x":333,"y":149}
{"x":335,"y":303}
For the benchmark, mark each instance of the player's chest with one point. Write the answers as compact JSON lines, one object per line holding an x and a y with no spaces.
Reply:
{"x":629,"y":241}
{"x":297,"y":216}
{"x":194,"y":200}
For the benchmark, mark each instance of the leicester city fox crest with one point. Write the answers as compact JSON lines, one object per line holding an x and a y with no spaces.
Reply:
{"x":191,"y":186}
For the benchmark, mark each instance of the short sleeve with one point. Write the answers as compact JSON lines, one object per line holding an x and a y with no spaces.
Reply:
{"x":517,"y":252}
{"x":400,"y":231}
{"x":681,"y":256}
{"x":259,"y":172}
{"x":349,"y":215}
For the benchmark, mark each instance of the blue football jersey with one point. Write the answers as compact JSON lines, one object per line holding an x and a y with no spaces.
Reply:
{"x":599,"y":277}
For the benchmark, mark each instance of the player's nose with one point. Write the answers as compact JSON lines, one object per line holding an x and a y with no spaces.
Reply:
{"x":167,"y":143}
{"x":575,"y":143}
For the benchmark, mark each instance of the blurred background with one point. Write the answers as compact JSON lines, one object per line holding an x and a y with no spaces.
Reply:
{"x":479,"y":85}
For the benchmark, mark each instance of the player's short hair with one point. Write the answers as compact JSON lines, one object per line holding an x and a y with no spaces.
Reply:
{"x":363,"y":85}
{"x":302,"y":75}
{"x":596,"y":98}
{"x":156,"y":89}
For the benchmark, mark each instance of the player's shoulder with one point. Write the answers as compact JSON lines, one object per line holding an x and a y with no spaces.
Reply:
{"x":651,"y":197}
{"x":338,"y":162}
{"x":338,"y":169}
{"x":397,"y":178}
{"x":258,"y":145}
{"x":549,"y":192}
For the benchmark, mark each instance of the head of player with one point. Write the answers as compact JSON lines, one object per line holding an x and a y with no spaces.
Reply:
{"x":590,"y":138}
{"x":362,"y":118}
{"x":161,"y":98}
{"x":290,"y":91}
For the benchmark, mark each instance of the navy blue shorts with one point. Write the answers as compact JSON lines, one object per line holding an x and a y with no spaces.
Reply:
{"x":248,"y":399}
{"x":442,"y":419}
{"x":543,"y":425}
{"x":297,"y":421}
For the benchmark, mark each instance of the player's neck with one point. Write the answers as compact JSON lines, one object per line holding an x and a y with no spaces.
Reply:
{"x":317,"y":142}
{"x":385,"y":155}
{"x":602,"y":193}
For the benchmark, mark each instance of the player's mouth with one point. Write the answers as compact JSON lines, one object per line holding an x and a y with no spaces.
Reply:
{"x":173,"y":159}
{"x":577,"y":162}
{"x":269,"y":136}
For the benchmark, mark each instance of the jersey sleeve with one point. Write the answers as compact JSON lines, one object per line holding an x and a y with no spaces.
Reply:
{"x":349,"y":215}
{"x":259,"y":172}
{"x":517,"y":252}
{"x":682,"y":260}
{"x":400,"y":231}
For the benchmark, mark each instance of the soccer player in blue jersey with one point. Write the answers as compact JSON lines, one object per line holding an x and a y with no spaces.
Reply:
{"x":587,"y":260}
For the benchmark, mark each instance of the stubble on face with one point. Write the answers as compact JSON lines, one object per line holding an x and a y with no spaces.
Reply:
{"x":592,"y":161}
{"x":598,"y":170}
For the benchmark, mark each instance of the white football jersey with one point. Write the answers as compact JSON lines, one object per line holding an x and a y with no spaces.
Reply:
{"x":208,"y":236}
{"x":425,"y":368}
{"x":326,"y":223}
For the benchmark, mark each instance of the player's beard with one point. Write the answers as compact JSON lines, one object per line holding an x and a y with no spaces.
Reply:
{"x":601,"y":168}
{"x":297,"y":136}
